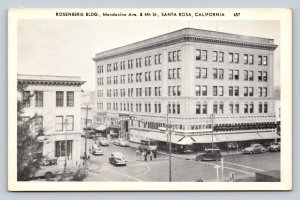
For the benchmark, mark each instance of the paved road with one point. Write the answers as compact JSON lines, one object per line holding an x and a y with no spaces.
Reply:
{"x":182,"y":170}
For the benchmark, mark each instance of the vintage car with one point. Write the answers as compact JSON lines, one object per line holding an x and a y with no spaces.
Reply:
{"x":117,"y":158}
{"x":102,"y":141}
{"x":96,"y":150}
{"x":274,"y":147}
{"x":209,"y":154}
{"x":121,"y":142}
{"x":254,"y":148}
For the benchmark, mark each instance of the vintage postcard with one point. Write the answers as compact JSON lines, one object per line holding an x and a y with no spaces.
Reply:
{"x":149,"y":99}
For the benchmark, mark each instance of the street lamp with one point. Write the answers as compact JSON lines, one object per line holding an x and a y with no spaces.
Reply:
{"x":212,"y":116}
{"x":169,"y":137}
{"x":66,"y":146}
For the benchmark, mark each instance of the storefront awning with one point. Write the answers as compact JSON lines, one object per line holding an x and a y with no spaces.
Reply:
{"x":101,"y":127}
{"x":203,"y":139}
{"x":269,"y":135}
{"x":186,"y":141}
{"x":239,"y":137}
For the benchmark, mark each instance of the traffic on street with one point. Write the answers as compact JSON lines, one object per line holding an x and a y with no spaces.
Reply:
{"x":184,"y":167}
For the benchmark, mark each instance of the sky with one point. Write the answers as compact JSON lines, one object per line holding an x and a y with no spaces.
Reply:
{"x":66,"y":47}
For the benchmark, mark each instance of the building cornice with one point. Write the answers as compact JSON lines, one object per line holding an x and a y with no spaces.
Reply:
{"x":51,"y":82}
{"x":127,"y":50}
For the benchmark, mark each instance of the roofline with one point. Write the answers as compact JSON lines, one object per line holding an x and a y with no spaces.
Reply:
{"x":186,"y":36}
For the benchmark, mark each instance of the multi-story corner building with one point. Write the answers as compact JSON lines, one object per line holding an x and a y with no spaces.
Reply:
{"x":56,"y":103}
{"x":210,"y":86}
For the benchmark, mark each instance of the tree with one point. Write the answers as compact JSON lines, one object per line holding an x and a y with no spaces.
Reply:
{"x":28,"y":160}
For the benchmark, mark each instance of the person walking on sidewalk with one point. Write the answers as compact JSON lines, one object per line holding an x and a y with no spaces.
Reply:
{"x":138,"y":154}
{"x":154,"y":154}
{"x":151,"y":155}
{"x":145,"y":155}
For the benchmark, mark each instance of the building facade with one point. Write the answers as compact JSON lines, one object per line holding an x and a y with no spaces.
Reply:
{"x":212,"y":87}
{"x":56,"y":103}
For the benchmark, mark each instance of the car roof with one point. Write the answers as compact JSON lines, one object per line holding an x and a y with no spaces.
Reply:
{"x":117,"y":154}
{"x":212,"y":149}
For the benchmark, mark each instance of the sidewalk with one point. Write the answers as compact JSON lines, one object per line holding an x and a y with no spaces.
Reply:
{"x":189,"y":156}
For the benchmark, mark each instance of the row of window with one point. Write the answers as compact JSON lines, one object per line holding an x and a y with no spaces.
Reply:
{"x":138,"y":63}
{"x":201,"y":90}
{"x":218,"y":56}
{"x":218,"y":108}
{"x":201,"y":72}
{"x":200,"y":108}
{"x":39,"y":98}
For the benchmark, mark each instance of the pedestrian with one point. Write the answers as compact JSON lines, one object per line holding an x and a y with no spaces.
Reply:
{"x":138,"y":154}
{"x":145,"y":156}
{"x":151,"y":155}
{"x":154,"y":154}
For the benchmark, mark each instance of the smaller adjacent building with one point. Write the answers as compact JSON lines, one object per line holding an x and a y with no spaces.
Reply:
{"x":56,"y":102}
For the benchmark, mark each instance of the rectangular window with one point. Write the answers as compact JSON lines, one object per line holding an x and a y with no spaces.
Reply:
{"x":61,"y":149}
{"x":178,"y":55}
{"x":178,"y":108}
{"x":265,"y":60}
{"x":198,"y":54}
{"x":178,"y":73}
{"x":251,"y":109}
{"x":178,"y":91}
{"x":221,"y":56}
{"x":251,"y":59}
{"x":215,"y":73}
{"x":245,"y":108}
{"x":221,"y":108}
{"x":174,"y":91}
{"x":26,"y":98}
{"x":259,"y":60}
{"x":237,"y":108}
{"x":236,"y":74}
{"x":236,"y":58}
{"x":204,"y":55}
{"x":260,"y":108}
{"x":215,"y":56}
{"x":245,"y":75}
{"x":230,"y":74}
{"x":59,"y":99}
{"x":198,"y":109}
{"x":39,"y":98}
{"x":70,"y":99}
{"x":250,"y":75}
{"x":174,"y":73}
{"x":215,"y":90}
{"x":204,"y":72}
{"x":236,"y":91}
{"x":204,"y":90}
{"x":245,"y":58}
{"x":265,"y":92}
{"x":265,"y":76}
{"x":245,"y":91}
{"x":231,"y":57}
{"x":59,"y":123}
{"x":198,"y":72}
{"x":259,"y":77}
{"x":198,"y":90}
{"x":221,"y":90}
{"x":215,"y":108}
{"x":231,"y":108}
{"x":221,"y":73}
{"x":170,"y":91}
{"x":38,"y":123}
{"x":70,"y":122}
{"x":251,"y":91}
{"x":230,"y":91}
{"x":169,"y":73}
{"x":204,"y":109}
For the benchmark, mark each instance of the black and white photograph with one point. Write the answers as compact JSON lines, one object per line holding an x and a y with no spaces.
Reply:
{"x":149,"y":99}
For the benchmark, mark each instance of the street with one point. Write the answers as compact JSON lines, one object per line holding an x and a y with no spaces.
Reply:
{"x":184,"y":168}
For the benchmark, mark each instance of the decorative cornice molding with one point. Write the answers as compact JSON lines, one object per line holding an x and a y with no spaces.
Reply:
{"x":181,"y":39}
{"x":50,"y":82}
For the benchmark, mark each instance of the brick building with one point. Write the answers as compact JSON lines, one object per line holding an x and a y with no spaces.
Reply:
{"x":210,"y":86}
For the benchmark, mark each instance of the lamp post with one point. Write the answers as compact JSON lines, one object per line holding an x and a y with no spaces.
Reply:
{"x":212,"y":116}
{"x":85,"y":141}
{"x":66,"y":146}
{"x":169,"y":137}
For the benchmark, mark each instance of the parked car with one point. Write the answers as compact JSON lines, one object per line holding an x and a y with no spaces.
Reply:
{"x":121,"y":142}
{"x":103,"y":141}
{"x":209,"y":154}
{"x":274,"y":147}
{"x":96,"y":150}
{"x":117,"y":158}
{"x":254,"y":148}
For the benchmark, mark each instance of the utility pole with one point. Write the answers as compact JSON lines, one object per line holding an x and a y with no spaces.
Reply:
{"x":212,"y":130}
{"x":170,"y":147}
{"x":66,"y":146}
{"x":85,"y":141}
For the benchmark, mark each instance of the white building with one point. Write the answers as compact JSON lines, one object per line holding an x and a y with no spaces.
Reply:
{"x":56,"y":101}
